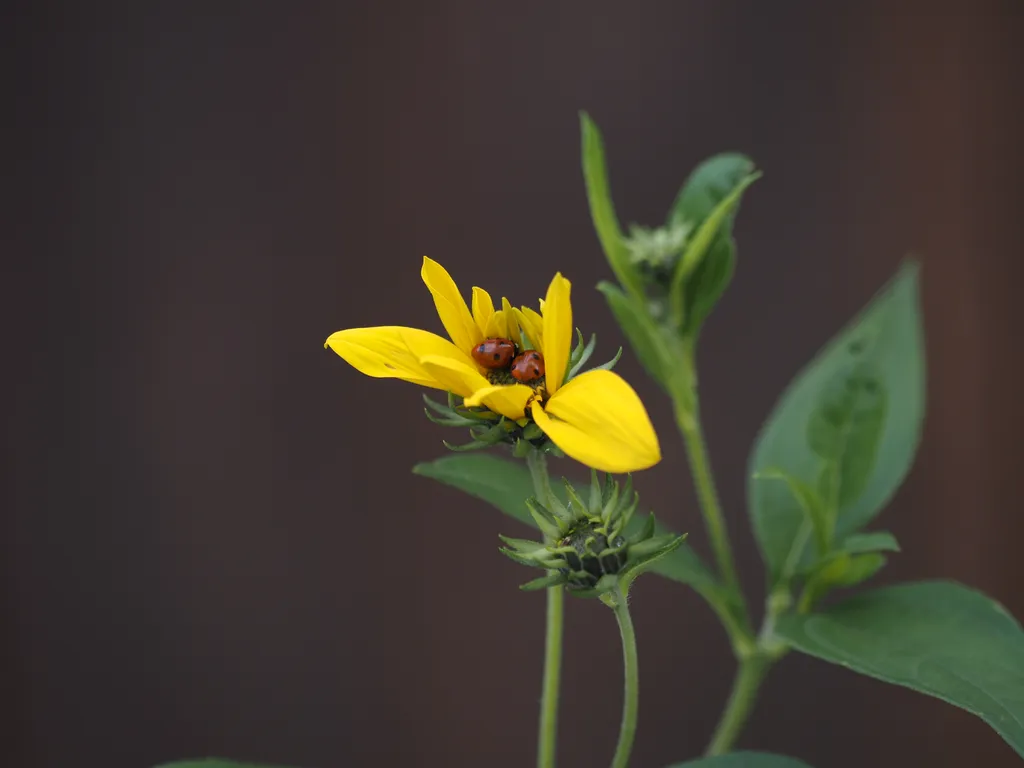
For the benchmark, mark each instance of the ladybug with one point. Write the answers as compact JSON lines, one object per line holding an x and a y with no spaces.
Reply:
{"x":494,"y":354}
{"x":528,"y":367}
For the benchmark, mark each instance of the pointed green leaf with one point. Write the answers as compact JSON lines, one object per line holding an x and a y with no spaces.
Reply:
{"x":521,"y":559}
{"x":525,"y":546}
{"x":649,"y":343}
{"x":840,"y":570}
{"x":810,"y":503}
{"x":938,"y":637}
{"x":717,"y":224}
{"x":574,"y":499}
{"x":596,"y":491}
{"x":595,"y":175}
{"x":708,"y":282}
{"x":862,"y":463}
{"x":652,"y":546}
{"x":466,"y":447}
{"x":706,"y":187}
{"x":643,"y":531}
{"x":551,"y":580}
{"x":610,"y":364}
{"x":874,"y":541}
{"x":585,"y":355}
{"x":506,"y":485}
{"x":743,"y":760}
{"x":861,"y":568}
{"x":544,"y":520}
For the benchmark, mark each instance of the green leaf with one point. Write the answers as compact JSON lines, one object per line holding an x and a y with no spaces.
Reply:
{"x":650,"y":345}
{"x":810,"y":503}
{"x":506,"y":485}
{"x":854,"y":440}
{"x":500,"y":483}
{"x":551,"y":580}
{"x":938,"y":637}
{"x":718,"y":224}
{"x":708,"y":282}
{"x":840,"y":570}
{"x":595,"y":175}
{"x":706,"y":187}
{"x":874,"y":541}
{"x":709,"y":183}
{"x":213,"y":762}
{"x":743,"y":760}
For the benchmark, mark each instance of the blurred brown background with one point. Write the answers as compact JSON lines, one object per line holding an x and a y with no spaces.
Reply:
{"x":212,"y":542}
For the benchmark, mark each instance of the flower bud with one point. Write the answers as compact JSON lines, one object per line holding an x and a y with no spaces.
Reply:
{"x":589,"y":549}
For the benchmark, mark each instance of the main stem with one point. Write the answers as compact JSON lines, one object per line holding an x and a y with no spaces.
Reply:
{"x":754,"y":661}
{"x":714,"y":521}
{"x":741,"y":703}
{"x":631,"y":693}
{"x":548,"y":729}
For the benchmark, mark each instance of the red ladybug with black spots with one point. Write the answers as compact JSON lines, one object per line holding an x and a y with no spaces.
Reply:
{"x":494,"y":354}
{"x":528,"y":367}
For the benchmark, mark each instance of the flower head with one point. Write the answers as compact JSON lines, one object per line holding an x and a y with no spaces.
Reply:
{"x":594,"y":416}
{"x":591,"y":547}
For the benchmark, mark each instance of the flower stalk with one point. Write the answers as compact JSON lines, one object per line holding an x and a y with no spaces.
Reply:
{"x":547,"y":733}
{"x":631,"y":674}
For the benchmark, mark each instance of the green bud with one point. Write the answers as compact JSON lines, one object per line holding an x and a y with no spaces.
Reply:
{"x":587,"y":549}
{"x":655,"y":252}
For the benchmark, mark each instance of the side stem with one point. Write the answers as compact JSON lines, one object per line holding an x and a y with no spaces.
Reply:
{"x":631,"y":692}
{"x":547,"y":735}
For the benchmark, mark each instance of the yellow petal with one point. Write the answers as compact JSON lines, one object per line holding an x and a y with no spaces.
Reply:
{"x":457,"y":376}
{"x":512,"y":327}
{"x":557,"y":333}
{"x":509,"y":401}
{"x":532,"y":325}
{"x":497,"y":326}
{"x":483,"y":309}
{"x":393,"y":352}
{"x":599,"y":420}
{"x":451,"y":307}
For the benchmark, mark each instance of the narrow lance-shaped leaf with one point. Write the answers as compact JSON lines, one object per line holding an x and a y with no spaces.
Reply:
{"x":595,"y":174}
{"x":875,"y":541}
{"x":658,"y":354}
{"x":708,"y":282}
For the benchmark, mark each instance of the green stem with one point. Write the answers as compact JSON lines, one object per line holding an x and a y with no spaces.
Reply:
{"x":538,"y":465}
{"x":548,"y":728}
{"x":688,"y":419}
{"x":631,"y":693}
{"x":749,"y":676}
{"x":754,"y":658}
{"x":700,"y":467}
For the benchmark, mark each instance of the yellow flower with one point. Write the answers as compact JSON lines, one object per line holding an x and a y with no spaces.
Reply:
{"x":596,"y":418}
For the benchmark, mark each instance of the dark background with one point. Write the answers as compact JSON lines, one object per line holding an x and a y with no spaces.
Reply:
{"x":212,"y":542}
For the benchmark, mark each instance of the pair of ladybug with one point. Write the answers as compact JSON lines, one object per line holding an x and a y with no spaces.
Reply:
{"x":500,"y":354}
